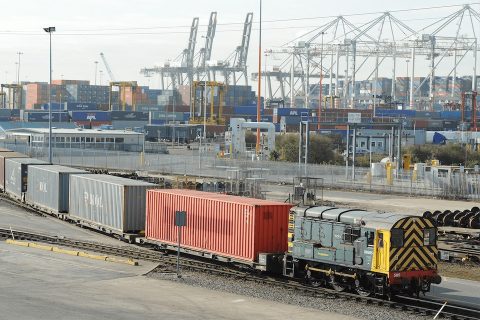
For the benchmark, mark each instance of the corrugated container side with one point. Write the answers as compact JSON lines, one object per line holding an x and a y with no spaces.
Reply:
{"x":228,"y":226}
{"x":16,"y":175}
{"x":91,"y":115}
{"x":130,"y":115}
{"x":48,"y":186}
{"x":81,"y":106}
{"x":111,"y":202}
{"x":3,"y":156}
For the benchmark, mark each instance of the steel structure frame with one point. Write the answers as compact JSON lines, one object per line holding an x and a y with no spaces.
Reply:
{"x":196,"y":65}
{"x":352,"y":48}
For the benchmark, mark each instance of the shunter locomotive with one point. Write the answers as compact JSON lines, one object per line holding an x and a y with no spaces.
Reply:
{"x":371,"y":253}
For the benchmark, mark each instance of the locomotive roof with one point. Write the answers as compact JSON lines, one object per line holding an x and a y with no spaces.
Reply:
{"x":368,"y":219}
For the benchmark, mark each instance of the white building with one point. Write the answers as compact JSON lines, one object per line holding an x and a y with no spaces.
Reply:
{"x":123,"y":140}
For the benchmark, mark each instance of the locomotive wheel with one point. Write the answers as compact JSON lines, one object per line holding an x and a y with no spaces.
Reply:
{"x":316,"y":283}
{"x":335,"y":285}
{"x":361,"y":290}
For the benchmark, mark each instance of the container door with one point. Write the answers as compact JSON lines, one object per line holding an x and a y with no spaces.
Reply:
{"x":381,"y":258}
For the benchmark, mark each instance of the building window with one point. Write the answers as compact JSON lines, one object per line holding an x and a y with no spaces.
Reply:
{"x":363,"y":144}
{"x":373,"y":144}
{"x":380,"y":144}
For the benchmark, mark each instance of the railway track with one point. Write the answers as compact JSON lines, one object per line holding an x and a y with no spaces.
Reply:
{"x":166,"y":264}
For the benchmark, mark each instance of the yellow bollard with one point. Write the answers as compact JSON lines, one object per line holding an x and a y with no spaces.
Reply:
{"x":389,"y":168}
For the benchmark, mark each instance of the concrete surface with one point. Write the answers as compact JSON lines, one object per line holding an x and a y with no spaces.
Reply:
{"x":42,"y":285}
{"x":382,"y":202}
{"x":456,"y":291}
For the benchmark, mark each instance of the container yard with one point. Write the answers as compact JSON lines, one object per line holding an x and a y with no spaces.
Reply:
{"x":252,"y":160}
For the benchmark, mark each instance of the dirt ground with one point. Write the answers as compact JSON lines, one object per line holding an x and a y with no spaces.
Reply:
{"x":456,"y":270}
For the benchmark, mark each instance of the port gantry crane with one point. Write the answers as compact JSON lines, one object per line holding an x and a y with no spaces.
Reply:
{"x":381,"y":43}
{"x":184,"y":74}
{"x":14,"y":93}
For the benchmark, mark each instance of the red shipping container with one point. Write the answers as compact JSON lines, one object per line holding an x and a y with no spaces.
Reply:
{"x":229,"y":226}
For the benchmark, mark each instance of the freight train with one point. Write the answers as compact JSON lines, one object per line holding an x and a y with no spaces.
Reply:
{"x":346,"y":249}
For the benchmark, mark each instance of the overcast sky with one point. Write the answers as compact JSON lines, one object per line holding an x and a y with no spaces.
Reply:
{"x":143,"y":33}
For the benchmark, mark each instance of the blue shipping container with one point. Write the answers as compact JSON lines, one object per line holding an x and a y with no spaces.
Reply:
{"x":43,"y":116}
{"x":158,"y":121}
{"x":6,"y":113}
{"x":146,"y":108}
{"x":395,"y":113}
{"x":262,"y":118}
{"x":81,"y":106}
{"x":130,"y":115}
{"x":55,"y":106}
{"x":91,"y":115}
{"x":292,"y":111}
{"x":450,"y":115}
{"x":245,"y":110}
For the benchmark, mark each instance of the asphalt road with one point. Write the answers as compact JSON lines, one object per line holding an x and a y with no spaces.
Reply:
{"x":41,"y":285}
{"x":457,"y":291}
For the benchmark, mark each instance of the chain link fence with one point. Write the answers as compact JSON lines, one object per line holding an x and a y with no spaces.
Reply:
{"x":457,"y":185}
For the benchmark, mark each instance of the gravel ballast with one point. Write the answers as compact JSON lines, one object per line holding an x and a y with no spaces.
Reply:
{"x":282,"y":295}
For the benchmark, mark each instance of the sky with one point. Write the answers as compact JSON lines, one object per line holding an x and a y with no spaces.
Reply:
{"x":144,"y":33}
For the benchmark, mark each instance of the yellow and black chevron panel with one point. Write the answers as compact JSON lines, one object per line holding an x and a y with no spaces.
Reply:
{"x":413,"y":255}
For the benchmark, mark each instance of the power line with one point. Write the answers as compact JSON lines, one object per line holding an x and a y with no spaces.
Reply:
{"x":89,"y":31}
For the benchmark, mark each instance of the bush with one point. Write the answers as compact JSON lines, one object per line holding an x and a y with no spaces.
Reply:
{"x":449,"y":154}
{"x":320,"y":149}
{"x":364,"y":160}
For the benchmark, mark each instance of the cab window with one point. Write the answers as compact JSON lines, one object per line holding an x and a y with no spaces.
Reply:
{"x":397,"y":238}
{"x":429,"y":237}
{"x":370,"y":238}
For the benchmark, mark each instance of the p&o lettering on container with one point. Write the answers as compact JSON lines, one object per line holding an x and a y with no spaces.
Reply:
{"x":42,"y":187}
{"x":93,"y":200}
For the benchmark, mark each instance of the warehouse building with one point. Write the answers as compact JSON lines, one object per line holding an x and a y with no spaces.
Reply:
{"x":121,"y":140}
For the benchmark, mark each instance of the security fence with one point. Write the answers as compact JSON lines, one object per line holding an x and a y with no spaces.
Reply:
{"x":457,"y":185}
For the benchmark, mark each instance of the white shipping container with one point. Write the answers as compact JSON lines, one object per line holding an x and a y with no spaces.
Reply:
{"x":113,"y":203}
{"x":48,"y":187}
{"x":16,"y":175}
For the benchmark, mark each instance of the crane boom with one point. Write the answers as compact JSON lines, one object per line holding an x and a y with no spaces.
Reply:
{"x":110,"y":73}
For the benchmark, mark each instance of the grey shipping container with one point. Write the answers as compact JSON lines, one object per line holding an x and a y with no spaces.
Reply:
{"x":3,"y":156}
{"x":48,"y":187}
{"x":16,"y":175}
{"x":114,"y":203}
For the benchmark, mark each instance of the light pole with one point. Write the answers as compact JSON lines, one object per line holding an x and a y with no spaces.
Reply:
{"x":265,"y":78}
{"x":320,"y":86}
{"x":18,"y":70}
{"x":96,"y":66}
{"x":49,"y":30}
{"x":205,"y":89}
{"x":101,"y":76}
{"x":408,"y":86}
{"x":259,"y":88}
